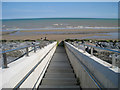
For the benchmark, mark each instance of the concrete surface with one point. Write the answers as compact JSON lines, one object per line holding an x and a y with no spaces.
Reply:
{"x":17,"y":70}
{"x":106,"y":76}
{"x":59,"y":73}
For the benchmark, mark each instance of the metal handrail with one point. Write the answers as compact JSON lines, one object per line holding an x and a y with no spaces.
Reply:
{"x":30,"y":72}
{"x":102,"y":48}
{"x":113,"y":56}
{"x":97,"y":83}
{"x":7,"y":51}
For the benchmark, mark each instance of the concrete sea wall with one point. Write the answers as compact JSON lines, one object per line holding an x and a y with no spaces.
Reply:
{"x":92,"y":71}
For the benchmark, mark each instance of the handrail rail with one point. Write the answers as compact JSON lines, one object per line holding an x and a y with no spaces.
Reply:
{"x":102,"y":48}
{"x":113,"y":56}
{"x":27,"y":53}
{"x":28,"y":74}
{"x":18,"y":48}
{"x":97,"y":83}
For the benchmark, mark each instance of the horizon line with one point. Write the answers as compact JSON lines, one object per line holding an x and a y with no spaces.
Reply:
{"x":59,"y":18}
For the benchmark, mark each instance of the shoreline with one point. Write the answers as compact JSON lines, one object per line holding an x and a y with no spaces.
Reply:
{"x":83,"y":30}
{"x":55,"y":35}
{"x":50,"y":37}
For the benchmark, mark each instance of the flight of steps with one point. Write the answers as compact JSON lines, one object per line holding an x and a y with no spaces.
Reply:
{"x":60,"y":73}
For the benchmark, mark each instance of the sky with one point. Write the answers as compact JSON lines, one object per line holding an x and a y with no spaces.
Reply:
{"x":15,"y":10}
{"x":60,"y":0}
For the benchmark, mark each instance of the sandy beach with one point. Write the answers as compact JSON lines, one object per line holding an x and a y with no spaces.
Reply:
{"x":82,"y":33}
{"x":49,"y":37}
{"x":71,"y":30}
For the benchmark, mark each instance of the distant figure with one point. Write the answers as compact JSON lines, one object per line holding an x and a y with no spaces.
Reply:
{"x":33,"y":43}
{"x":82,"y":41}
{"x":114,"y":43}
{"x":45,"y":38}
{"x":90,"y":41}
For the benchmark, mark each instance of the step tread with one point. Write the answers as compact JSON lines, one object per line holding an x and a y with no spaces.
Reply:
{"x":61,"y":73}
{"x":58,"y":64}
{"x":61,"y":62}
{"x":59,"y":81}
{"x":57,"y":75}
{"x":60,"y":70}
{"x":58,"y":67}
{"x":52,"y":86}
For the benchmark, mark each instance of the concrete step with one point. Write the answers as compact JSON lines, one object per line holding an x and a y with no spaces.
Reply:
{"x":59,"y":64}
{"x":52,"y":86}
{"x":58,"y":75}
{"x":59,"y":81}
{"x":60,"y":61}
{"x":59,"y":67}
{"x":60,"y":49}
{"x":60,"y":56}
{"x":59,"y":70}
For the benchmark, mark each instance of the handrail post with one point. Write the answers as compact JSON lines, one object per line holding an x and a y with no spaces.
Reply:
{"x":4,"y":60}
{"x":84,"y":48}
{"x":113,"y":61}
{"x":39,"y":46}
{"x":91,"y":51}
{"x":34,"y":48}
{"x":27,"y":51}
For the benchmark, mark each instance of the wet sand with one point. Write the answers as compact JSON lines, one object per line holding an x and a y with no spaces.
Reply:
{"x":71,"y":30}
{"x":49,"y":37}
{"x":85,"y":33}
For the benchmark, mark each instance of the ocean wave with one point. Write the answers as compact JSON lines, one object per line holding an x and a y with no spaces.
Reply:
{"x":70,"y":27}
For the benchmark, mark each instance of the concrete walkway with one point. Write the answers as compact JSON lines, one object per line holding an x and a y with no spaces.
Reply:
{"x":60,"y":73}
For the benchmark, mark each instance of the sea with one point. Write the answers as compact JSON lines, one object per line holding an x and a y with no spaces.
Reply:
{"x":60,"y":23}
